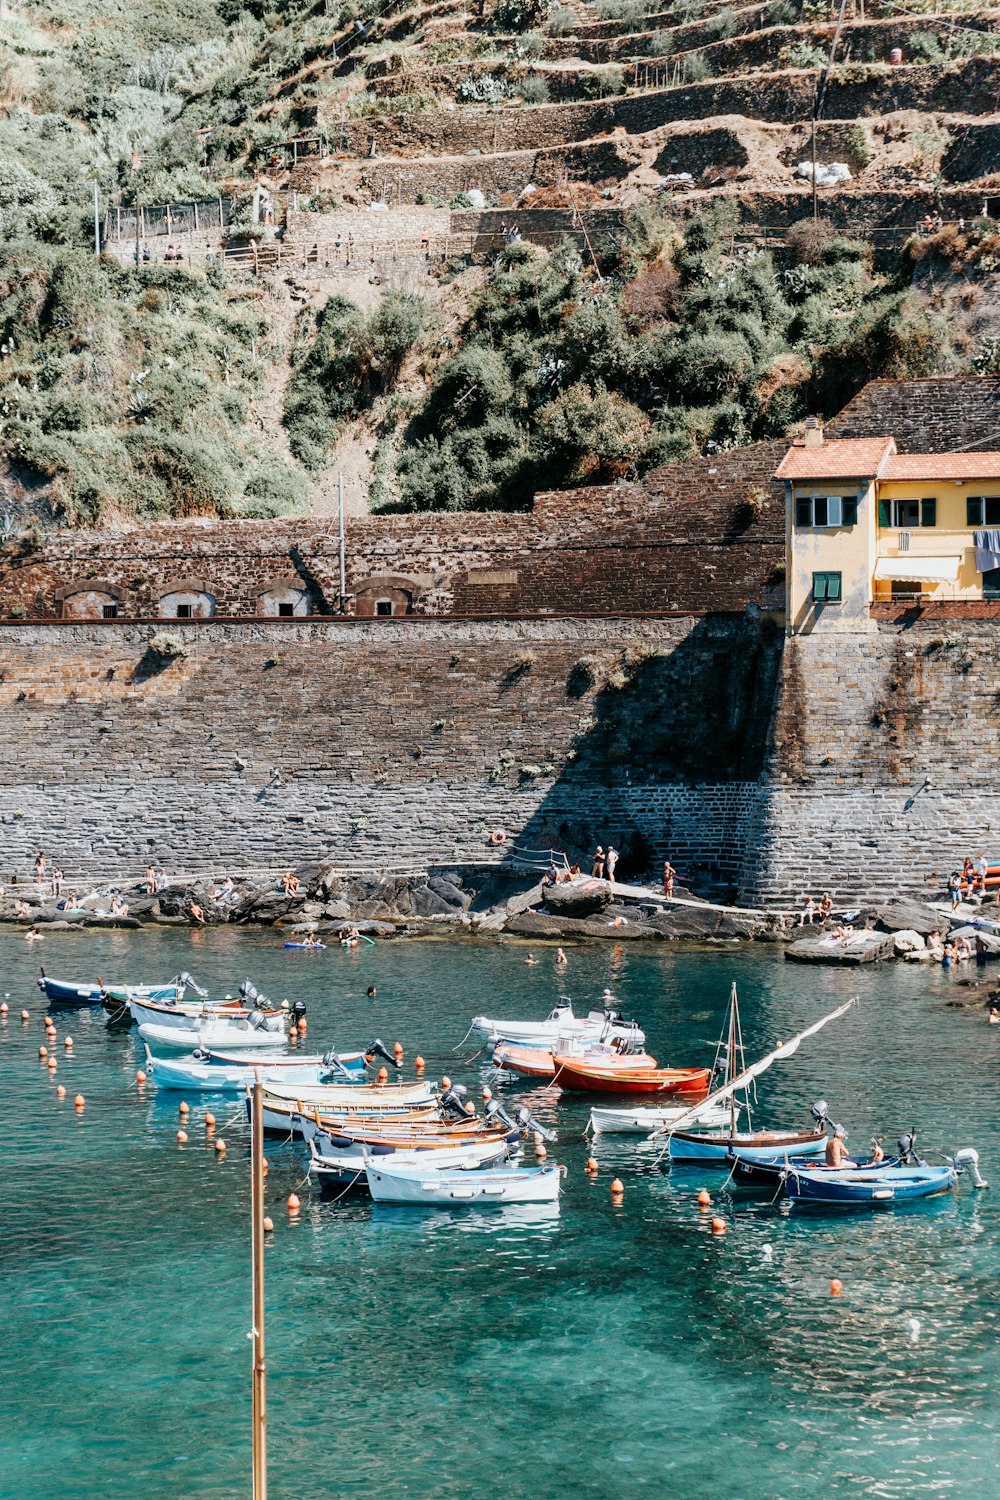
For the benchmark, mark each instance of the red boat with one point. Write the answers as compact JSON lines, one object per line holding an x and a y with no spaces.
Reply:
{"x":536,"y":1062}
{"x":574,"y":1073}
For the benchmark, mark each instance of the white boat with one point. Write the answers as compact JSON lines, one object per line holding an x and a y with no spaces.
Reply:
{"x":645,"y":1119}
{"x":596,"y":1026}
{"x":213,"y":1033}
{"x":421,"y":1185}
{"x":184,"y":1014}
{"x":282,"y":1116}
{"x":356,"y":1096}
{"x":230,"y":1077}
{"x":341,"y":1166}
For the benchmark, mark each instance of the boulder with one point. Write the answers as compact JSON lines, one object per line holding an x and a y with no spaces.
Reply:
{"x":869,"y":948}
{"x":577,"y":900}
{"x":906,"y":916}
{"x":907,"y":942}
{"x":428,"y":903}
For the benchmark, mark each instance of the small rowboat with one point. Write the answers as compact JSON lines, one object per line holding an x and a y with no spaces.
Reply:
{"x":309,"y":947}
{"x":577,"y":1073}
{"x":714,"y":1149}
{"x":644,"y":1119}
{"x":282,"y":1116}
{"x":183,"y":1014}
{"x":867,"y":1187}
{"x":749,"y":1169}
{"x":377,"y":1096}
{"x":66,"y":992}
{"x":208,"y":1032}
{"x":336,"y":1165}
{"x":418,"y":1185}
{"x":218,"y":1077}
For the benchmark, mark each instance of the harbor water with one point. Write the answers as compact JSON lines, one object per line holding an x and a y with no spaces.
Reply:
{"x":593,"y":1350}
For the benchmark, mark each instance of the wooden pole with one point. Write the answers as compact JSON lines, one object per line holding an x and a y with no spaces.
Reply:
{"x":259,"y":1355}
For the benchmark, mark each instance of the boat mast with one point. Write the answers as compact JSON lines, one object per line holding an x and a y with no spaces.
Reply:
{"x":259,"y":1375}
{"x":731,"y":1066}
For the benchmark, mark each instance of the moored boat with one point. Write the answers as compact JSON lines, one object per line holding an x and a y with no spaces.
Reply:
{"x":643,"y":1119}
{"x":419,"y":1185}
{"x":576,"y":1073}
{"x":867,"y":1187}
{"x":72,"y":992}
{"x":337,"y":1165}
{"x":540,"y":1062}
{"x":767,"y":1145}
{"x":600,"y":1025}
{"x":230,"y":1074}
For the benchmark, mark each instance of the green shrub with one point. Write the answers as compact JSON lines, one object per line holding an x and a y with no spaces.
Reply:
{"x":803,"y":54}
{"x":695,"y":67}
{"x":925,"y":46}
{"x":858,"y":142}
{"x":561,"y":21}
{"x":533,"y":89}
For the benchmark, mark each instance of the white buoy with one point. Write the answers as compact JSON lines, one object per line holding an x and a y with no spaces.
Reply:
{"x":767,"y":1251}
{"x":913,"y":1329}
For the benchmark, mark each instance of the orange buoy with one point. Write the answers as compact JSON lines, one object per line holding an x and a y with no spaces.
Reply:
{"x":268,"y":1225}
{"x":264,"y":1166}
{"x":293,"y":1203}
{"x":43,"y":1051}
{"x":617,"y":1188}
{"x":79,"y":1101}
{"x":383,"y":1075}
{"x":540,"y":1153}
{"x":704,"y":1198}
{"x":209,"y":1120}
{"x":718,"y":1226}
{"x":592,"y":1165}
{"x":3,"y":1007}
{"x":61,"y":1091}
{"x":183,"y":1108}
{"x":47,"y":1021}
{"x":397,"y":1048}
{"x":836,"y":1288}
{"x":220,"y":1147}
{"x":418,"y":1063}
{"x":182,"y":1137}
{"x":53,"y":1064}
{"x":446,"y":1082}
{"x":140,"y":1078}
{"x":67,"y":1041}
{"x":470,"y":1108}
{"x":25,"y":1016}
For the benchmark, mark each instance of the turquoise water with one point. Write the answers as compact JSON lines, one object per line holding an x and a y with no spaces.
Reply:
{"x":593,"y":1351}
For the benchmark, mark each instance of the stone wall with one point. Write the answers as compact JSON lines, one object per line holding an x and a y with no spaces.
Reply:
{"x":883,"y":773}
{"x":390,"y":742}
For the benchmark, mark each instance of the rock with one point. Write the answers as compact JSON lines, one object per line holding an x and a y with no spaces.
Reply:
{"x":95,"y":921}
{"x":427,"y":903}
{"x":577,"y":900}
{"x":907,"y":942}
{"x":872,"y":949}
{"x":906,"y":916}
{"x":687,"y":922}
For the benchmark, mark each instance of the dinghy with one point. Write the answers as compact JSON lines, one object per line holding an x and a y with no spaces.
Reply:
{"x":646,"y":1118}
{"x":539,"y":1062}
{"x":335,"y":1165}
{"x":219,"y":1033}
{"x":420,"y":1185}
{"x":597,"y":1026}
{"x":218,"y":1077}
{"x":68,"y":992}
{"x":866,"y":1187}
{"x":755,"y":1169}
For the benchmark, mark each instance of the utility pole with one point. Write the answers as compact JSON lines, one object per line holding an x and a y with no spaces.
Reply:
{"x":257,"y":1334}
{"x":340,"y":525}
{"x":97,"y":216}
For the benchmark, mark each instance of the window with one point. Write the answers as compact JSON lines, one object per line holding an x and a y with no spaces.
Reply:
{"x":826,"y":510}
{"x":991,"y":583}
{"x":907,"y":514}
{"x":109,"y":611}
{"x":184,"y":611}
{"x":383,"y":606}
{"x":286,"y":610}
{"x":982,"y":510}
{"x":826,"y":588}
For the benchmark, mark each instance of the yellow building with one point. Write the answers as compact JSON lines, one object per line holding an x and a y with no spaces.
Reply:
{"x":865,"y":523}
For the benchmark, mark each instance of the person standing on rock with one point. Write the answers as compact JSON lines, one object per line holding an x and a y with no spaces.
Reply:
{"x":150,"y":881}
{"x":598,"y":870}
{"x":981,"y":868}
{"x":40,"y":867}
{"x":611,"y":861}
{"x":668,"y":878}
{"x":954,"y":889}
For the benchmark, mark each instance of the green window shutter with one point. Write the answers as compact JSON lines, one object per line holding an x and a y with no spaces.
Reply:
{"x":884,"y":513}
{"x":850,"y":505}
{"x":928,"y":512}
{"x":827,"y":588}
{"x":803,"y":511}
{"x":974,"y":510}
{"x":833,"y":585}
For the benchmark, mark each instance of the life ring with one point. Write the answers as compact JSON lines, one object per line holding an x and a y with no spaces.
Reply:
{"x":498,"y":836}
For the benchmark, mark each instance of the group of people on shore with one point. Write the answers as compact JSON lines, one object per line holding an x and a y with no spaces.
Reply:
{"x":972,"y":880}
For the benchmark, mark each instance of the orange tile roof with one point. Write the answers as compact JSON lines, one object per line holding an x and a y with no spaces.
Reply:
{"x":943,"y":466}
{"x":837,"y":458}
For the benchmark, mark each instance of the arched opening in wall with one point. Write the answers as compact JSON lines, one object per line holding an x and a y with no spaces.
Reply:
{"x":89,"y":599}
{"x":385,"y":596}
{"x":285,"y":598}
{"x":187,"y":599}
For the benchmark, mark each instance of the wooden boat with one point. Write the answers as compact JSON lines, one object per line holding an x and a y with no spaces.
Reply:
{"x":539,"y":1062}
{"x":574,"y":1073}
{"x":712,"y":1147}
{"x":411,"y":1097}
{"x":644,"y":1119}
{"x":866,"y":1187}
{"x":419,"y":1185}
{"x":335,"y":1166}
{"x":597,"y":1026}
{"x":283,"y":1117}
{"x":754,"y":1169}
{"x":68,"y":992}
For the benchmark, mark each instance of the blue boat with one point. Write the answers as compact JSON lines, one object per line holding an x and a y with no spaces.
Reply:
{"x":715,"y":1148}
{"x":867,"y":1187}
{"x":65,"y":992}
{"x":749,"y":1169}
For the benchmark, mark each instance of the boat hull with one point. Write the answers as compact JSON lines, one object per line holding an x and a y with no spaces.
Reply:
{"x":547,"y":1033}
{"x":223,"y":1078}
{"x":476,"y":1189}
{"x":208,"y":1036}
{"x":346,"y":1167}
{"x":866,"y":1187}
{"x":748,"y":1170}
{"x":572,"y":1074}
{"x":62,"y":992}
{"x":768,"y":1145}
{"x":644,"y":1119}
{"x":537,"y":1062}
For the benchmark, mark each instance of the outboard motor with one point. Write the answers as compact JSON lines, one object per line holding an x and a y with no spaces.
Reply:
{"x":821,"y":1114}
{"x":332,"y":1063}
{"x":257,"y":1020}
{"x":186,"y":982}
{"x":377,"y":1048}
{"x":527,"y":1121}
{"x":298,"y":1012}
{"x":453,"y":1104}
{"x":495,"y":1114}
{"x":907,"y":1145}
{"x":248,"y":991}
{"x":967,"y":1161}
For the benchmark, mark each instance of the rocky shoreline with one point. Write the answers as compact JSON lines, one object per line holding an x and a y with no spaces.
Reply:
{"x":491,"y":903}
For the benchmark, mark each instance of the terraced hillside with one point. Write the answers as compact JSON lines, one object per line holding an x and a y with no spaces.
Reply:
{"x":471,"y":252}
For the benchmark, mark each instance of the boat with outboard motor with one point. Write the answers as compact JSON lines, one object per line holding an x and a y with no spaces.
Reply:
{"x":866,"y":1187}
{"x":623,"y":1054}
{"x":604,"y":1024}
{"x":712,"y":1147}
{"x":215,"y":1031}
{"x":225,"y":1073}
{"x":284,"y":1115}
{"x":418,"y":1185}
{"x":641,"y":1120}
{"x":753,"y":1169}
{"x":335,"y":1163}
{"x":66,"y":992}
{"x":605,"y":1078}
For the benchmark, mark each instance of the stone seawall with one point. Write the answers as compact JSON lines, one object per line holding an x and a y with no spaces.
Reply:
{"x":883,"y":775}
{"x":384,"y":742}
